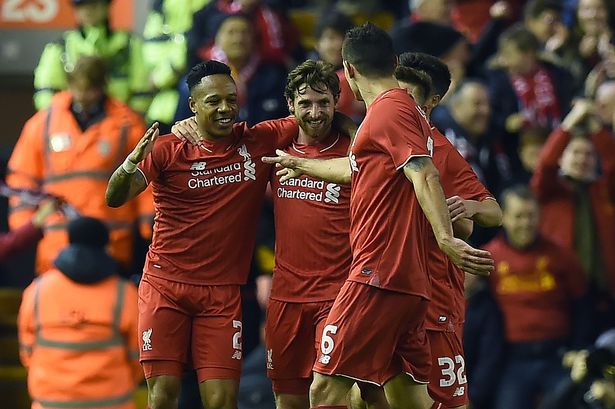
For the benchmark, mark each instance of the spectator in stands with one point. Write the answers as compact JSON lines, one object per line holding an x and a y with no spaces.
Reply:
{"x":593,"y":30}
{"x":165,"y":54}
{"x":603,"y":71}
{"x":276,"y":39}
{"x":483,"y":342}
{"x":605,"y":103}
{"x":69,"y":150}
{"x":78,"y":328}
{"x":260,"y":84}
{"x":539,"y":288}
{"x":591,"y":384}
{"x":531,"y":142}
{"x":544,"y":19}
{"x":433,"y":11}
{"x":330,"y":33}
{"x":121,"y":51}
{"x":525,"y":90}
{"x":29,"y":234}
{"x":578,"y":201}
{"x":466,"y":122}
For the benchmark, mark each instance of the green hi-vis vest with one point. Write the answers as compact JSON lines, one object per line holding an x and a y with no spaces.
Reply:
{"x":165,"y":53}
{"x":123,"y":51}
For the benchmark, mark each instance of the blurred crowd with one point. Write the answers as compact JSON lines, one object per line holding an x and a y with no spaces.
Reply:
{"x":531,"y":108}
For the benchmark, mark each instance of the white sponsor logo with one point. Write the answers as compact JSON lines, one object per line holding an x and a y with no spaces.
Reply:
{"x":430,"y":146}
{"x":249,"y":172}
{"x":353,"y":162}
{"x":320,"y":191}
{"x":270,"y":359}
{"x":460,"y":391}
{"x":198,"y":165}
{"x":147,"y":339}
{"x":333,"y":193}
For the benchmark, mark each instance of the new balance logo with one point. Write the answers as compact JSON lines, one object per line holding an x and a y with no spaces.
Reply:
{"x":198,"y":165}
{"x":147,"y":339}
{"x":237,"y":355}
{"x":332,"y":195}
{"x":460,"y":391}
{"x":353,"y":162}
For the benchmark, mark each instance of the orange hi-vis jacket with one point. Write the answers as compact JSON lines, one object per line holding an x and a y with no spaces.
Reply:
{"x":79,"y":342}
{"x":54,"y":155}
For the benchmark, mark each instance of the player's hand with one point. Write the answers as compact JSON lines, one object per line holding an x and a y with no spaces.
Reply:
{"x":187,"y":130}
{"x":469,"y":259}
{"x":459,"y":208}
{"x":145,"y":145}
{"x":289,"y":164}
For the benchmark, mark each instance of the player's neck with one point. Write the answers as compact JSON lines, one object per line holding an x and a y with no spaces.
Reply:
{"x":370,"y":88}
{"x":303,"y":138}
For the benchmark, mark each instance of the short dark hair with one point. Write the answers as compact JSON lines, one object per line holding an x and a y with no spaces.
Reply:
{"x":336,"y":21}
{"x":523,"y":38}
{"x":370,"y":50}
{"x":91,"y":69}
{"x":437,"y":70}
{"x":205,"y":69}
{"x":416,"y":77}
{"x":519,"y":190}
{"x":319,"y":75}
{"x":534,"y":8}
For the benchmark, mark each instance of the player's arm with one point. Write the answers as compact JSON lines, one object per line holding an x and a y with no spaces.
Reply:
{"x":486,"y":213}
{"x":345,"y":124}
{"x":462,"y":228}
{"x":336,"y":170}
{"x":126,"y":183}
{"x":425,"y":178}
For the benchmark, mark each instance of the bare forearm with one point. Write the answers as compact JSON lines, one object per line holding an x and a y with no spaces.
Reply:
{"x":122,"y":187}
{"x":335,"y":170}
{"x":488,"y":214}
{"x":462,"y":228}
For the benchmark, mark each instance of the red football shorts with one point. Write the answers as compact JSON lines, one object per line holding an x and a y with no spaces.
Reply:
{"x":185,"y":325}
{"x":373,"y":334}
{"x":447,"y":383}
{"x":292,"y":337}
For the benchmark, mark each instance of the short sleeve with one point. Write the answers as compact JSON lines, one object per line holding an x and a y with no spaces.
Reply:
{"x":405,"y":134}
{"x":459,"y":178}
{"x":281,"y":132}
{"x":157,"y":160}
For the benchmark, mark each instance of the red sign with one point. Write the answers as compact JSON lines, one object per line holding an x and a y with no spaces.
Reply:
{"x":56,"y":14}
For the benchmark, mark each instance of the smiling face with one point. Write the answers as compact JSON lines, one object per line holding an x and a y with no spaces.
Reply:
{"x":593,"y":16}
{"x":579,"y":160}
{"x":314,"y":110}
{"x":520,"y":220}
{"x":214,"y":101}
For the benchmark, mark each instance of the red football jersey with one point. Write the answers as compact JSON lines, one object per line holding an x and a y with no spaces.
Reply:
{"x":534,"y":288}
{"x":447,"y":306}
{"x":388,"y":230}
{"x":208,"y":202}
{"x":312,"y":219}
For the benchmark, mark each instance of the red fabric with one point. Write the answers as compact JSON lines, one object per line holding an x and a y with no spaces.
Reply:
{"x":557,"y":198}
{"x":388,"y":230}
{"x":315,"y":267}
{"x":208,"y":201}
{"x":534,"y":288}
{"x":194,"y":325}
{"x":374,"y":335}
{"x":18,"y":240}
{"x":447,"y":306}
{"x":536,"y":94}
{"x":292,"y":339}
{"x":448,"y":384}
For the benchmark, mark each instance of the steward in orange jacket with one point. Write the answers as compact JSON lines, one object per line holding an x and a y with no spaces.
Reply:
{"x":78,"y":328}
{"x":577,"y":202}
{"x":70,"y":150}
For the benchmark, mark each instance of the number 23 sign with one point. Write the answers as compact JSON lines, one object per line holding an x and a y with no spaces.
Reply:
{"x":56,"y":14}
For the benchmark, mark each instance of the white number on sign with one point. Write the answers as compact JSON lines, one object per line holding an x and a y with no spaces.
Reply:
{"x":23,"y":10}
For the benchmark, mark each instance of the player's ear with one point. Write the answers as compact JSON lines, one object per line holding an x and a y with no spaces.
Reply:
{"x":291,"y":107}
{"x":349,"y":69}
{"x":192,"y":104}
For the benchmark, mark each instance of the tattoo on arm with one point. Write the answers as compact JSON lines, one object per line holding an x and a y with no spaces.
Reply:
{"x":124,"y":186}
{"x":417,"y":163}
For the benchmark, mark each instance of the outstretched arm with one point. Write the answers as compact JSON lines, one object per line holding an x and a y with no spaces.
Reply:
{"x":335,"y":170}
{"x":425,"y":178}
{"x":126,"y":183}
